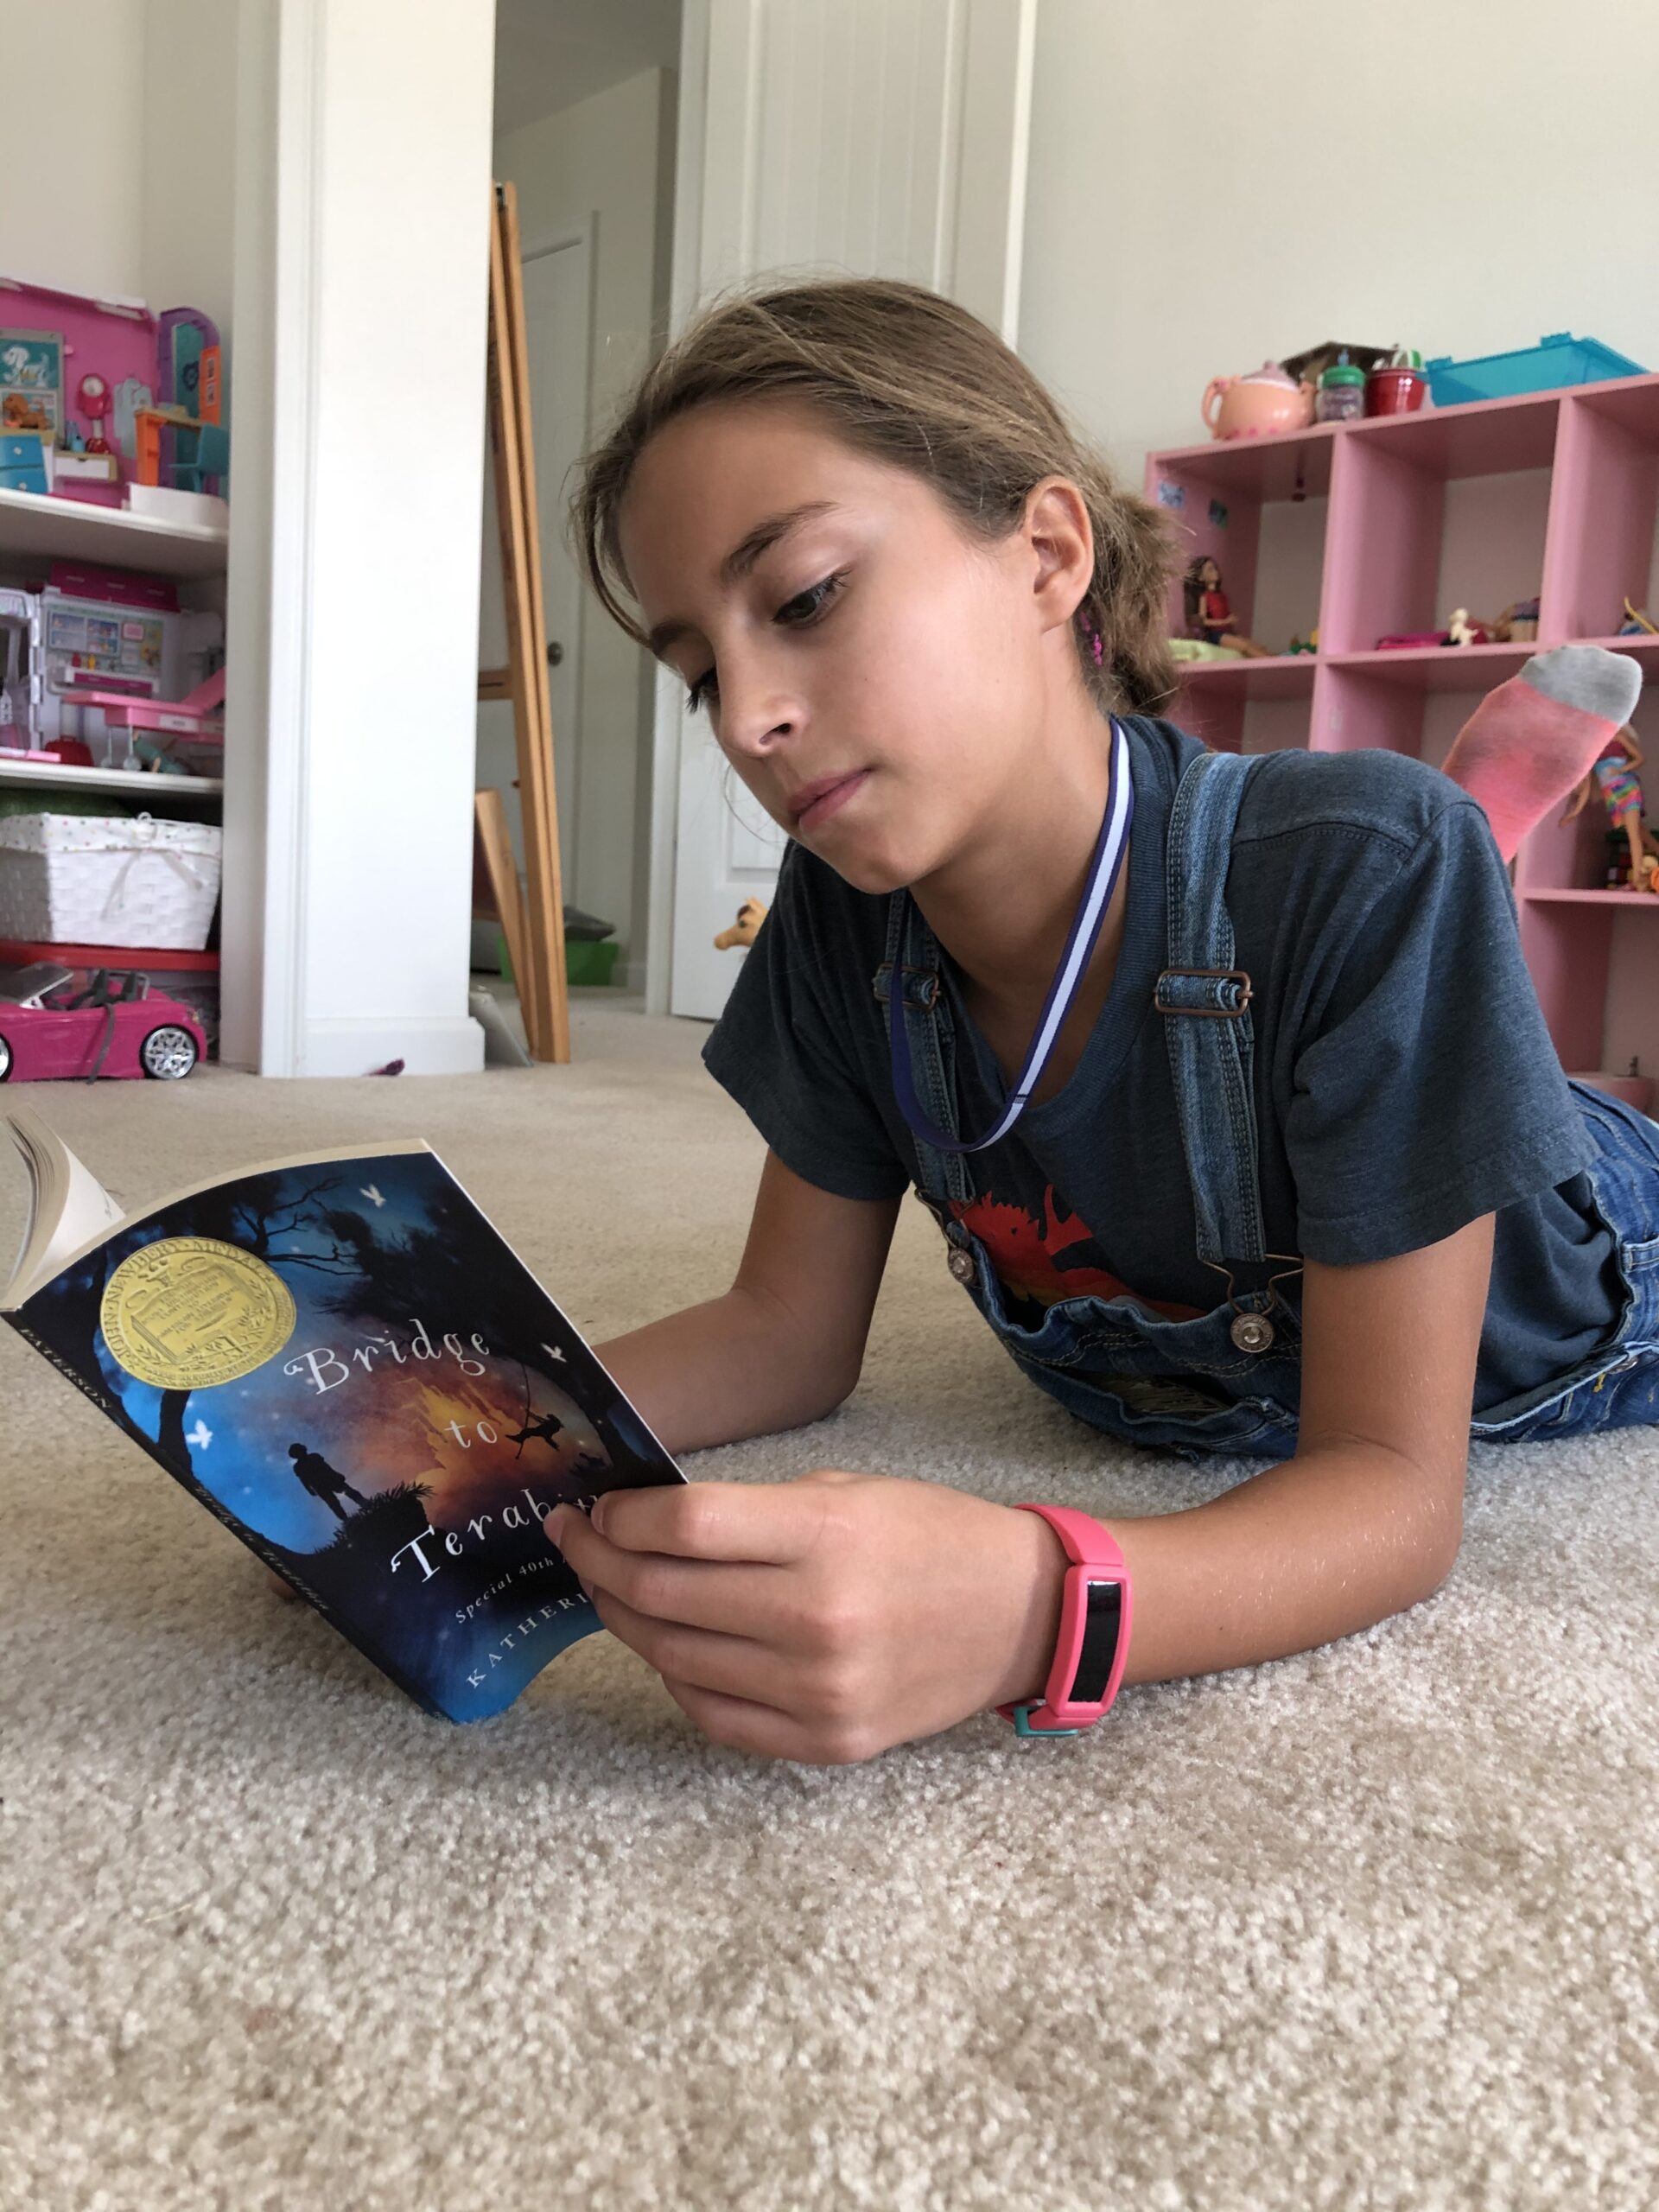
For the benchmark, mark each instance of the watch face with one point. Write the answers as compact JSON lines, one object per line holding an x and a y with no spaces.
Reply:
{"x":1102,"y":1626}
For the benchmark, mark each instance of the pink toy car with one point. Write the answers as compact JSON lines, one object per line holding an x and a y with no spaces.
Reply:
{"x":117,"y":1027}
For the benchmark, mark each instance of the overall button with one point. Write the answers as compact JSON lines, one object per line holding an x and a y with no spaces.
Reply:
{"x":1251,"y":1331}
{"x":962,"y":1265}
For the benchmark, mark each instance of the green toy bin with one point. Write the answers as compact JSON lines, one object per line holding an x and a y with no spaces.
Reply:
{"x":585,"y":960}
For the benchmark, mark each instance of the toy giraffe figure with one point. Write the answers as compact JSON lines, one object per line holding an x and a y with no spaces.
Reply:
{"x":745,"y":929}
{"x":1621,"y":792}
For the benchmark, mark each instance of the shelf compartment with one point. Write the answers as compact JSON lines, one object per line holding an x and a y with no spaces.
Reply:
{"x":1603,"y":510}
{"x":1488,"y":437}
{"x":1293,"y":464}
{"x":36,"y":526}
{"x":1596,"y":969}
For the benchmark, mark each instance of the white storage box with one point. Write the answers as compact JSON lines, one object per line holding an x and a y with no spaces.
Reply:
{"x":75,"y":878}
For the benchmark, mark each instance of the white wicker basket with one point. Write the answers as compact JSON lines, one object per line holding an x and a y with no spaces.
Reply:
{"x":72,"y":879}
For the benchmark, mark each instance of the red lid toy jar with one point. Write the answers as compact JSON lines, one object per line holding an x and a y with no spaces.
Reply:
{"x":1257,"y":405}
{"x":1396,"y":387}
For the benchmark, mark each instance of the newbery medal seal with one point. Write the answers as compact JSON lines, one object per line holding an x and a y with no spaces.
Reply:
{"x":187,"y":1312}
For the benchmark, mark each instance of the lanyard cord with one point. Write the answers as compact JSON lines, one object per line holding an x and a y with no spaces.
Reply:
{"x":1104,"y":871}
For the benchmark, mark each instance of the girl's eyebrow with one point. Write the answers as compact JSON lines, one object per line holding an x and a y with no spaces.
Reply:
{"x":742,"y":558}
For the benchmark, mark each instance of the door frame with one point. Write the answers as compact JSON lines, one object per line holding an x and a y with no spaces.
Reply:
{"x":668,"y":717}
{"x":583,"y":231}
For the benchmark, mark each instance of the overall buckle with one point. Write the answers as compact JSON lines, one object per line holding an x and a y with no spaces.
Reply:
{"x":1244,"y":993}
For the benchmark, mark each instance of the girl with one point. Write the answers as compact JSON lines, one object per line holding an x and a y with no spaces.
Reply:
{"x":1223,"y":1079}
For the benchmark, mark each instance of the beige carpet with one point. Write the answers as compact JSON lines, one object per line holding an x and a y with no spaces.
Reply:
{"x":1375,"y":1927}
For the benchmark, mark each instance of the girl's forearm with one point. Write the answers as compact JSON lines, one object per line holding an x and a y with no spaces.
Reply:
{"x":713,"y":1374}
{"x":1313,"y":1549}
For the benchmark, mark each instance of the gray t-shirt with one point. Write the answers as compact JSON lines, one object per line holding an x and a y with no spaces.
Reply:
{"x":1405,"y":1080}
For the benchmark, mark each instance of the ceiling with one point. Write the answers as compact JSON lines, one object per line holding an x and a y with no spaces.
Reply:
{"x":551,"y":53}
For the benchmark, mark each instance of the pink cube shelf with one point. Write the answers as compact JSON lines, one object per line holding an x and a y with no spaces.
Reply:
{"x":1574,"y":477}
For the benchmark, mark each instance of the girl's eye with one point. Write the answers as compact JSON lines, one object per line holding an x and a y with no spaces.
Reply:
{"x":808,"y":605}
{"x":797,"y":613}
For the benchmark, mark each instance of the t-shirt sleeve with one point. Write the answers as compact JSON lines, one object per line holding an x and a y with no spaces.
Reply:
{"x":783,"y":1049}
{"x":1429,"y":1092}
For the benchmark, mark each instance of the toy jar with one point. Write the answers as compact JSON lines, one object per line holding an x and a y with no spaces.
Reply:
{"x":1397,"y":385}
{"x":1257,"y":405}
{"x":1342,"y":392}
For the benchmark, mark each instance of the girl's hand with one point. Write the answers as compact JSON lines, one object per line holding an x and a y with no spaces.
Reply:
{"x":825,"y":1618}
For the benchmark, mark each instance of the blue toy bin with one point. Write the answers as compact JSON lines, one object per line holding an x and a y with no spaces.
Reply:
{"x":1554,"y":361}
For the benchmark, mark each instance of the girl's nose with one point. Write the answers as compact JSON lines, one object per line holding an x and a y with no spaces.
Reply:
{"x":757,"y":711}
{"x":756,"y":716}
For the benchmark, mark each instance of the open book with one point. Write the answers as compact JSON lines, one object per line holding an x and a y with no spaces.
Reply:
{"x":349,"y":1366}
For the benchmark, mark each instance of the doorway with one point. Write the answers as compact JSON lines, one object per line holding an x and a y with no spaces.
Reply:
{"x":587,"y":95}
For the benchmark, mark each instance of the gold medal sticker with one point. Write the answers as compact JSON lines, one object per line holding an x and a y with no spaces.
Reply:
{"x":187,"y":1312}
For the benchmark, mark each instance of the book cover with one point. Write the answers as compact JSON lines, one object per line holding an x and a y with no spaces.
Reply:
{"x":31,"y":382}
{"x":344,"y":1360}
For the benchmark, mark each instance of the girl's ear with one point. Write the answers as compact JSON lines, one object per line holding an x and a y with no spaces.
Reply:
{"x":1062,"y":539}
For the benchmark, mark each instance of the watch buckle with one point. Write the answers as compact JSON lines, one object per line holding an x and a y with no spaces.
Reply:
{"x":1023,"y":1727}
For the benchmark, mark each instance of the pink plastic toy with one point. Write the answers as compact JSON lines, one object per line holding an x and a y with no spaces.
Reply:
{"x":117,"y":1027}
{"x":1259,"y":404}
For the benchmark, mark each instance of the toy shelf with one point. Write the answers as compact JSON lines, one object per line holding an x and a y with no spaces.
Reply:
{"x":1284,"y":676}
{"x":125,"y":780}
{"x":46,"y":527}
{"x":1383,"y":527}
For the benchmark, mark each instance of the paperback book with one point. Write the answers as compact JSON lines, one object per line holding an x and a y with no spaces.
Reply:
{"x":344,"y":1360}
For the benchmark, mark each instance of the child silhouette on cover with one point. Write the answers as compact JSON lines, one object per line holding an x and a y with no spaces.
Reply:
{"x":322,"y":1480}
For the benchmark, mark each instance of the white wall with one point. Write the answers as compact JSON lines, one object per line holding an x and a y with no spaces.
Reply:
{"x":362,"y":281}
{"x":1212,"y":187}
{"x":123,"y":185}
{"x":611,"y":156}
{"x":71,"y":211}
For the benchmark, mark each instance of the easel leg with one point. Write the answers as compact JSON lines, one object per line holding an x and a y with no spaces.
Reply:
{"x":542,"y":989}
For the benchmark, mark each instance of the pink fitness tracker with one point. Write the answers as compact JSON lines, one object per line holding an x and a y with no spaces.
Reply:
{"x":1096,"y":1606}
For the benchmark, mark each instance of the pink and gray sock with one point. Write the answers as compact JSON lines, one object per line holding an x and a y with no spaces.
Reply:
{"x":1529,"y":743}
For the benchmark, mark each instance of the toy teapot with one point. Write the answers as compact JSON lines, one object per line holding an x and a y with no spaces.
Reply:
{"x":1256,"y":406}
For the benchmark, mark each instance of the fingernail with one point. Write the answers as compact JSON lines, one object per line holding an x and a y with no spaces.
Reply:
{"x":553,"y":1526}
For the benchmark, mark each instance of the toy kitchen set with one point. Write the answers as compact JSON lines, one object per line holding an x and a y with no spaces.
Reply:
{"x":114,"y":461}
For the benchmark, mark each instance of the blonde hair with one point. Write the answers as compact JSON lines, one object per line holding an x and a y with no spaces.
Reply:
{"x":911,"y":378}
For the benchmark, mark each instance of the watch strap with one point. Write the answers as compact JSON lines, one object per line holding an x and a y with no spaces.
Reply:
{"x":1096,"y":1611}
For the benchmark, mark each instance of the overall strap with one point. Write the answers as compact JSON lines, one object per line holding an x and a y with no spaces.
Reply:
{"x":1209,"y":1032}
{"x":942,"y":1176}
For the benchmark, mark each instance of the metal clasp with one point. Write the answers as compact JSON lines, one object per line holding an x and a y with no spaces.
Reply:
{"x":1252,"y":1331}
{"x":1247,"y":992}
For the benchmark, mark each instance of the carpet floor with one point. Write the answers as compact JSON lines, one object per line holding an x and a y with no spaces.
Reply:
{"x":1377,"y":1926}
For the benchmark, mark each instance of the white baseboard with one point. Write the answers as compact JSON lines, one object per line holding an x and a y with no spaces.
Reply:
{"x":426,"y":1047}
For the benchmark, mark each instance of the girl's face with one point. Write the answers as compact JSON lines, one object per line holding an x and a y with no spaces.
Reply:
{"x":1210,"y":575}
{"x":879,"y":682}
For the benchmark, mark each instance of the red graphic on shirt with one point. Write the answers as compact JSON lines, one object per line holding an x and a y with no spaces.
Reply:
{"x":1042,"y":1260}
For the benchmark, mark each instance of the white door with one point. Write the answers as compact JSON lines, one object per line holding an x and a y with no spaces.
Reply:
{"x":557,"y":330}
{"x":882,"y":137}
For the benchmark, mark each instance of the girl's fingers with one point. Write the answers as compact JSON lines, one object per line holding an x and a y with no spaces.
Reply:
{"x":723,"y":1665}
{"x":770,"y":1523}
{"x":745,"y":1600}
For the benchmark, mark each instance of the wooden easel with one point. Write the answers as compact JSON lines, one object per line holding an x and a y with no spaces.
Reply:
{"x":532,"y":919}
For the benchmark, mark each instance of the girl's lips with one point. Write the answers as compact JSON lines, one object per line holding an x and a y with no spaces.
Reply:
{"x":836,"y":797}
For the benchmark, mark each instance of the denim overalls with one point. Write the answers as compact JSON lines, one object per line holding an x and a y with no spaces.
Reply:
{"x":1230,"y":1381}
